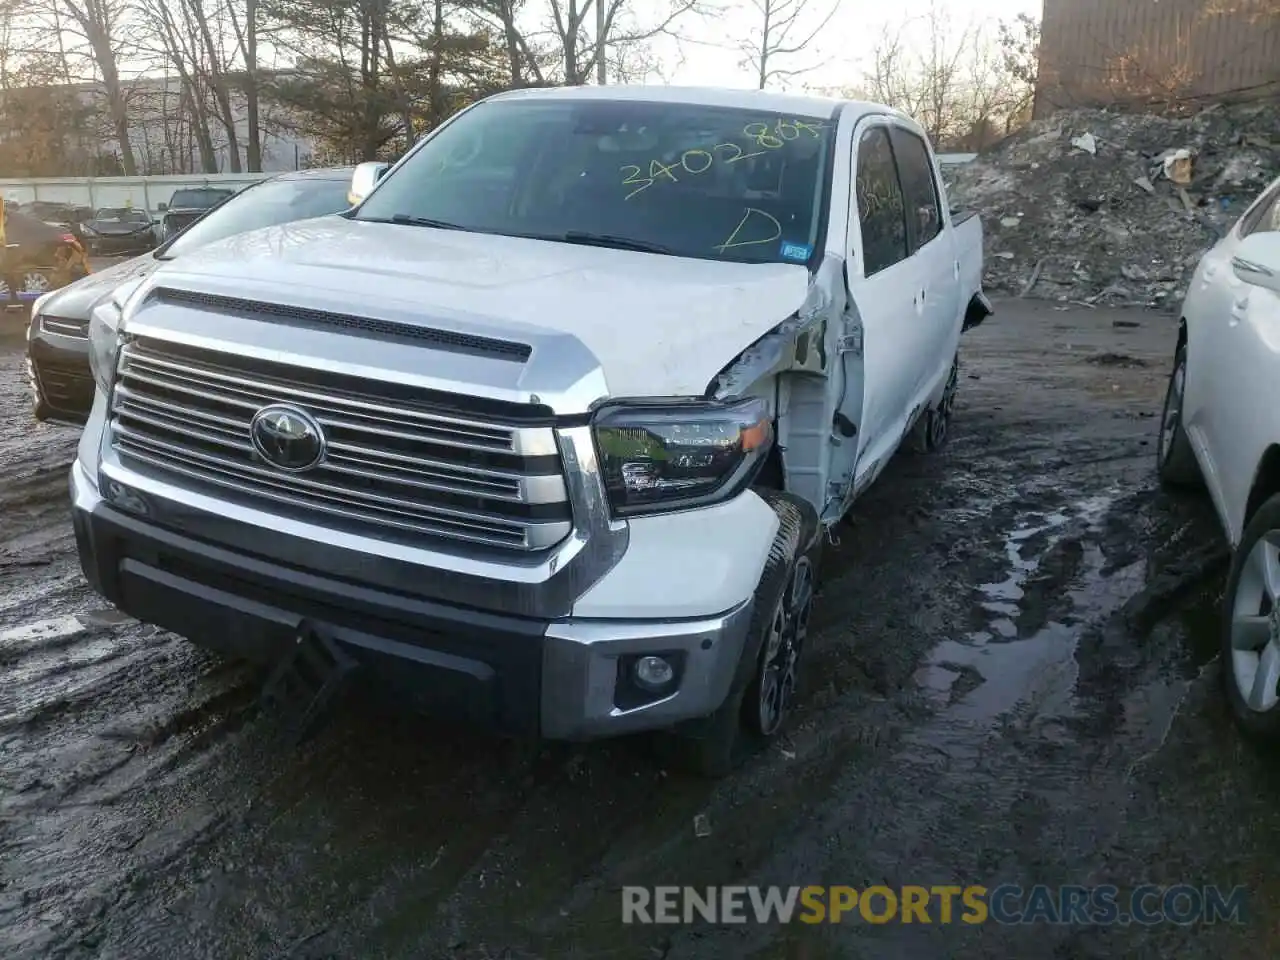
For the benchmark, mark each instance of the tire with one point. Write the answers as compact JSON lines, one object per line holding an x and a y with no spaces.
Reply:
{"x":1175,"y":459}
{"x":764,"y":688}
{"x":931,"y":432}
{"x":1251,"y":627}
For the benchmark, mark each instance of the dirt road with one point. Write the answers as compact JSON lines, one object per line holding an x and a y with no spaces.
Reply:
{"x":1012,"y":682}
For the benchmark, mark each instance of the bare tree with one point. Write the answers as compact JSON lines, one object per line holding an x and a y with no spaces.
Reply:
{"x":244,"y":23}
{"x":209,"y":26}
{"x":956,"y":83}
{"x":100,"y":25}
{"x":525,"y":60}
{"x":182,"y":51}
{"x":785,"y":28}
{"x":555,"y":41}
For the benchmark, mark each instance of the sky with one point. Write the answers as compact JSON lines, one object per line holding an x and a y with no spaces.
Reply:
{"x":841,"y":50}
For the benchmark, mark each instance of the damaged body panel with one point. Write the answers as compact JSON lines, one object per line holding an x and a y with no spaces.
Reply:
{"x":871,"y":356}
{"x":554,"y":433}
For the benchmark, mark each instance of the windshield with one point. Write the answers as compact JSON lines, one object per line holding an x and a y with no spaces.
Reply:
{"x":40,"y":208}
{"x":265,"y":205}
{"x":126,"y":214}
{"x":686,"y":179}
{"x":198,"y":198}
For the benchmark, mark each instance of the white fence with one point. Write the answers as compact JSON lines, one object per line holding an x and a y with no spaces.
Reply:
{"x":144,"y":193}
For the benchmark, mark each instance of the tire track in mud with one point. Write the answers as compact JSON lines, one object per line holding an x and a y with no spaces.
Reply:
{"x":154,"y":813}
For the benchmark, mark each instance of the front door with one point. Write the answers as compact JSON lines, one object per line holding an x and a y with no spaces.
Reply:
{"x":1215,"y":306}
{"x":884,"y":284}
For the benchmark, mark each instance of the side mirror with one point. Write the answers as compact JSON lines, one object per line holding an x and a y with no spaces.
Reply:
{"x":1257,"y":260}
{"x":364,"y":179}
{"x":161,"y":207}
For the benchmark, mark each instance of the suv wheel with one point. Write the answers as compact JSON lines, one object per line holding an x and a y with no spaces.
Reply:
{"x":1175,"y":460}
{"x":763,"y":693}
{"x":1251,"y":627}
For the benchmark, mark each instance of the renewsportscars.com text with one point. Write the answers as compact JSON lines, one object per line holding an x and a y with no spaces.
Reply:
{"x":1182,"y":904}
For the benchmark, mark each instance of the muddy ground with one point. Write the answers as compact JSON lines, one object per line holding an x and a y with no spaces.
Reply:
{"x":1013,"y":679}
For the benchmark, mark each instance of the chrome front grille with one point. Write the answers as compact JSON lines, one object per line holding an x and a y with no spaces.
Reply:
{"x":397,"y":463}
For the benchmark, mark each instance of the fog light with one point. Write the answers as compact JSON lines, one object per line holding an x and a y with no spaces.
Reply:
{"x":653,"y":673}
{"x":124,"y":498}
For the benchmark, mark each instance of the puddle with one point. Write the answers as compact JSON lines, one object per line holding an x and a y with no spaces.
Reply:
{"x":992,"y":673}
{"x":1071,"y":566}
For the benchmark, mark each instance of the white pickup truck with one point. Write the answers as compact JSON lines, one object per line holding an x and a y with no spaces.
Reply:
{"x":546,"y":431}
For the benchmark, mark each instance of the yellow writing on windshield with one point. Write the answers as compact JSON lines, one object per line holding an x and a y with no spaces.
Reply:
{"x":699,"y":160}
{"x":754,"y":221}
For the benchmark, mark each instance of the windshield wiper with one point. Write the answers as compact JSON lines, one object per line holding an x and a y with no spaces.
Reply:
{"x":609,"y":240}
{"x":423,"y":222}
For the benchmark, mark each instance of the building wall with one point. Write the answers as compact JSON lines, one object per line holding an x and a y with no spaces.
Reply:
{"x":1101,"y":52}
{"x":161,"y":135}
{"x":156,"y":101}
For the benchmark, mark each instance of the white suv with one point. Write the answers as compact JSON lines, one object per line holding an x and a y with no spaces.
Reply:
{"x":1220,"y":429}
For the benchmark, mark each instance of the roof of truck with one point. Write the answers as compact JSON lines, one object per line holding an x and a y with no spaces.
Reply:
{"x":802,"y":104}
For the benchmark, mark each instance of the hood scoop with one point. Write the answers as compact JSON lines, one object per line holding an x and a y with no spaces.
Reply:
{"x":372,"y":327}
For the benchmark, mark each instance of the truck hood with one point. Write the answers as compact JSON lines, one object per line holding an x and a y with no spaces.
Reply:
{"x":76,"y":300}
{"x":658,"y":325}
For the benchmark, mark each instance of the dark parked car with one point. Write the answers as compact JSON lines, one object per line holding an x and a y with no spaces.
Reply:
{"x":36,"y":258}
{"x":188,"y":205}
{"x":67,"y":216}
{"x":57,"y":339}
{"x":119,"y":230}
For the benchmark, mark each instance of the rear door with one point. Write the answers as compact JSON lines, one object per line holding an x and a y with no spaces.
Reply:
{"x":935,"y":306}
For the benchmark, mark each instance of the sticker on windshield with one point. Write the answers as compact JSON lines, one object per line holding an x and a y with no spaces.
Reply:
{"x":795,"y":252}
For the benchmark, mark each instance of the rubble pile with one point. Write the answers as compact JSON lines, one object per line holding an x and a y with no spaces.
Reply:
{"x":1094,"y":207}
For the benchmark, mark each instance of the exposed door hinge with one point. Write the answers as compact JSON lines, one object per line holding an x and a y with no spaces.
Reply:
{"x":851,"y":342}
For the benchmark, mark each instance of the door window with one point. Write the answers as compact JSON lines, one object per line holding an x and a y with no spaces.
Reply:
{"x":1265,"y":217}
{"x":881,"y":212}
{"x":924,"y":216}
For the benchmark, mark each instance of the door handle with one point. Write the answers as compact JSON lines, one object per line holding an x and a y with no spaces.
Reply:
{"x":1239,"y":305}
{"x":955,"y":269}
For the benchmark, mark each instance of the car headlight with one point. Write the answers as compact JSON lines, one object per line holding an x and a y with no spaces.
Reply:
{"x":38,"y":304}
{"x":672,"y":456}
{"x":105,"y":334}
{"x":104,"y":343}
{"x":88,"y":231}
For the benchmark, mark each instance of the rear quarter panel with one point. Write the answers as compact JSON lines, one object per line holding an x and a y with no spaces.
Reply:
{"x":967,"y":234}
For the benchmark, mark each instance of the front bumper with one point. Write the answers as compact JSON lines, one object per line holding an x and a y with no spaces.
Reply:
{"x":558,"y":679}
{"x":129,"y":243}
{"x":59,"y":376}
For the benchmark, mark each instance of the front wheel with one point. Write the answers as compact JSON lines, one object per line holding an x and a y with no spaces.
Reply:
{"x":1175,"y":459}
{"x":761,"y":697}
{"x":1251,"y":626}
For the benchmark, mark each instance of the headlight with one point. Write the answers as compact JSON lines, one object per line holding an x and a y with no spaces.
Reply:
{"x":675,"y":456}
{"x":105,"y":334}
{"x":87,"y":230}
{"x":104,"y":343}
{"x":38,"y":304}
